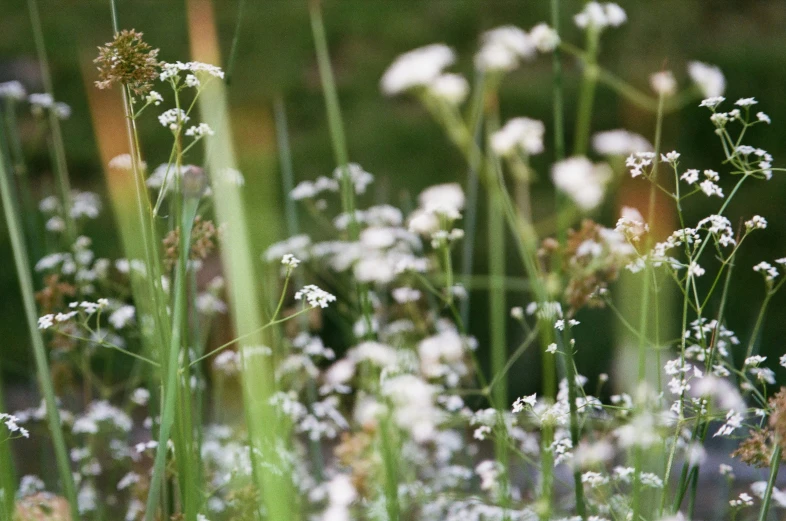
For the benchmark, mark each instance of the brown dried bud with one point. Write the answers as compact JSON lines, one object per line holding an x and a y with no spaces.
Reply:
{"x":778,"y":417}
{"x":204,"y":237}
{"x":194,"y":181}
{"x":127,"y":60}
{"x":756,"y":449}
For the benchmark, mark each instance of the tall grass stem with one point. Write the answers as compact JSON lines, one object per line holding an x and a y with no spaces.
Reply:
{"x":22,"y":264}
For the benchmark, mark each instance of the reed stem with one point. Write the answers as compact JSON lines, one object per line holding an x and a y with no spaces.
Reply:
{"x":168,"y":411}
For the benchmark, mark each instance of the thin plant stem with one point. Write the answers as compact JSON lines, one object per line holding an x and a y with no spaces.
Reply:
{"x":775,"y":462}
{"x":58,"y":148}
{"x":471,"y":211}
{"x":7,"y":473}
{"x":339,"y":142}
{"x":533,"y":335}
{"x":293,"y":229}
{"x":574,"y":417}
{"x":496,"y":259}
{"x":556,"y":88}
{"x":546,"y":473}
{"x":497,"y":300}
{"x":703,"y":427}
{"x":757,"y":326}
{"x":19,"y":167}
{"x":247,"y":335}
{"x":230,"y":68}
{"x":22,"y":263}
{"x":589,"y":81}
{"x":644,"y":303}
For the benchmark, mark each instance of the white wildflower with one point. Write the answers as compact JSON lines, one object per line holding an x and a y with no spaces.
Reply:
{"x":694,"y":270}
{"x":582,"y":181}
{"x":690,"y":176}
{"x":544,"y":37}
{"x":598,"y":16}
{"x":122,"y":316}
{"x":452,"y":88}
{"x":203,"y":129}
{"x":359,"y":178}
{"x":519,"y":133}
{"x":769,"y":271}
{"x":520,"y":403}
{"x":315,"y":296}
{"x":417,"y":68}
{"x":637,"y":161}
{"x":631,"y":224}
{"x":173,"y":118}
{"x":757,"y":222}
{"x":404,"y":295}
{"x":619,"y":142}
{"x":710,"y":81}
{"x":154,"y":98}
{"x":503,"y":47}
{"x":663,"y":83}
{"x":12,"y":90}
{"x":746,"y":102}
{"x":733,"y":422}
{"x":290,"y":261}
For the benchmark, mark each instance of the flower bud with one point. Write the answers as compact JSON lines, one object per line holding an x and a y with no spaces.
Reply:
{"x":194,"y":181}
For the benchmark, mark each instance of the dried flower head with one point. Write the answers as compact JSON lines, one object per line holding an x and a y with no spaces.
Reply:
{"x":204,"y":238}
{"x":778,"y":416}
{"x":127,"y":60}
{"x":591,"y":260}
{"x":755,"y":450}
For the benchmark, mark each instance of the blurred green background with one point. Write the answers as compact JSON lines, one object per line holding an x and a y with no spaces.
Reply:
{"x":394,"y":138}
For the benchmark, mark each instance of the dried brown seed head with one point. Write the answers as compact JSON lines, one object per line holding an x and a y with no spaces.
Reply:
{"x":127,"y":60}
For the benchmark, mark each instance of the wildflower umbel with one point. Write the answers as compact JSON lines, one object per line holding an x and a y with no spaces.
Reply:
{"x":127,"y":60}
{"x":315,"y":296}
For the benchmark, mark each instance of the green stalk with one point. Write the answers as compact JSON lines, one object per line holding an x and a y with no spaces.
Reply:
{"x":757,"y":326}
{"x":556,"y":86}
{"x":293,"y":228}
{"x":58,"y":148}
{"x":7,"y":474}
{"x":183,"y":435}
{"x":496,"y":258}
{"x":173,"y":360}
{"x":22,"y":263}
{"x":644,"y":303}
{"x":471,"y":209}
{"x":546,"y":473}
{"x":570,"y":367}
{"x":589,"y":81}
{"x":390,"y":465}
{"x":775,"y":463}
{"x":339,"y":142}
{"x":230,"y":69}
{"x":19,"y":167}
{"x":265,"y":432}
{"x":146,"y":225}
{"x":703,"y":427}
{"x":333,"y":108}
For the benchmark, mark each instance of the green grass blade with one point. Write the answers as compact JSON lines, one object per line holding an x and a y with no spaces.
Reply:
{"x":22,"y":264}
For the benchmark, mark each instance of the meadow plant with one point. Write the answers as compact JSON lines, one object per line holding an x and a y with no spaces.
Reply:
{"x":357,"y":384}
